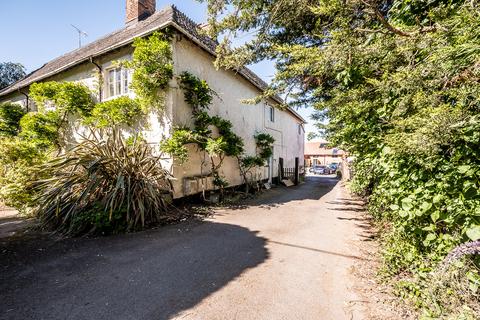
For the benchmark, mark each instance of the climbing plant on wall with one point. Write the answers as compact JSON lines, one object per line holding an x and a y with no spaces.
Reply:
{"x":152,"y":66}
{"x":213,"y":134}
{"x":247,"y":164}
{"x":118,"y":111}
{"x":223,"y":143}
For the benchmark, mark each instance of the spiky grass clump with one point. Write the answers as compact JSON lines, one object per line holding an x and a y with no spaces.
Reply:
{"x":104,"y":184}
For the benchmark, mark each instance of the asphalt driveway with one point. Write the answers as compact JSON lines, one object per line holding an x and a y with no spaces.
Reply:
{"x":284,"y":255}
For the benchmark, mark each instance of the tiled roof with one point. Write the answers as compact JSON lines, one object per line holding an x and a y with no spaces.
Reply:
{"x":169,"y":16}
{"x":320,"y":148}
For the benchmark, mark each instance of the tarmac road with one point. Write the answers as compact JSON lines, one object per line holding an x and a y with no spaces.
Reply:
{"x":287,"y":254}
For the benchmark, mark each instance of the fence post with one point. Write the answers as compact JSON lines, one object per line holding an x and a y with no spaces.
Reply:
{"x":280,"y":169}
{"x":296,"y":170}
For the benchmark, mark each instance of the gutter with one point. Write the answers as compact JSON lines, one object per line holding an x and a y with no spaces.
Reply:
{"x":100,"y":78}
{"x":27,"y":98}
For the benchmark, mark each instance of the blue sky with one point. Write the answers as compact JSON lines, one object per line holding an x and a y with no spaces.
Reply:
{"x":33,"y":32}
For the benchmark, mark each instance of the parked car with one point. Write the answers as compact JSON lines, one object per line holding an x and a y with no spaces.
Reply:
{"x":320,"y":170}
{"x":333,"y":167}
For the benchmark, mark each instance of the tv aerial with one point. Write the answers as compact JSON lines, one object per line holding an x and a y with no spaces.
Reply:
{"x":80,"y":34}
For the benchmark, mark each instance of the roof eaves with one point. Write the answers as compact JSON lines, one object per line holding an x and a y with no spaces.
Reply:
{"x":171,"y":20}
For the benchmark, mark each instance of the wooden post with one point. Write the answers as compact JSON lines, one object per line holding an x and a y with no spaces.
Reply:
{"x":280,"y":169}
{"x":296,"y":170}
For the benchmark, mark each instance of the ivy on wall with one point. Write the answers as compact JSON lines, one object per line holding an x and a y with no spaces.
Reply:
{"x":153,"y":68}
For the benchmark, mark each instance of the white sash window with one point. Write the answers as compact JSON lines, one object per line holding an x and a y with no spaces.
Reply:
{"x":118,"y":82}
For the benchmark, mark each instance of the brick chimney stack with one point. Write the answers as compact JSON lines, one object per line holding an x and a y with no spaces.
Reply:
{"x":138,"y":10}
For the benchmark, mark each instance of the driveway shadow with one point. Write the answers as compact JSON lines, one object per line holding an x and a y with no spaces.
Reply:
{"x":313,"y":188}
{"x":154,"y":274}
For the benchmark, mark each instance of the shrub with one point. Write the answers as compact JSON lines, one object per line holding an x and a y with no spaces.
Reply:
{"x":10,"y":115}
{"x":41,"y":128}
{"x":67,"y":97}
{"x":101,"y":177}
{"x":18,"y":161}
{"x":122,"y":110}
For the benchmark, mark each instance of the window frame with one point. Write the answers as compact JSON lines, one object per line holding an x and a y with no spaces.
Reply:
{"x":272,"y":114}
{"x":121,"y":86}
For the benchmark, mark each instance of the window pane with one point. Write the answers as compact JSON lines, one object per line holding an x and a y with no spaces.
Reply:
{"x":111,"y":82}
{"x":125,"y":80}
{"x":118,"y":81}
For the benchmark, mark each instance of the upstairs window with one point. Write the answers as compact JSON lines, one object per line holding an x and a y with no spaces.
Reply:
{"x":272,"y":114}
{"x":118,"y":82}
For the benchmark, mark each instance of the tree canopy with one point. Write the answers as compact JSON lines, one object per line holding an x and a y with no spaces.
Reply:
{"x":10,"y":72}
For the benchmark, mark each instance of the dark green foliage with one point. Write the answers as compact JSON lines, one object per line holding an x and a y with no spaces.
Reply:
{"x":99,"y":178}
{"x":98,"y":221}
{"x":252,"y":161}
{"x":265,"y":145}
{"x":264,"y":151}
{"x":118,"y":111}
{"x":10,"y":73}
{"x":196,"y":91}
{"x":10,"y":115}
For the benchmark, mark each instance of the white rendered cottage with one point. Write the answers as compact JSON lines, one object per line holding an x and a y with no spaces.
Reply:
{"x":194,"y":53}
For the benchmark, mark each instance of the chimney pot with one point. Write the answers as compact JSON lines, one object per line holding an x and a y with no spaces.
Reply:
{"x":138,"y":10}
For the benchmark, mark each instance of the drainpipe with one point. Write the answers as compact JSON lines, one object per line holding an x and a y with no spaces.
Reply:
{"x":100,"y":79}
{"x":26,"y":98}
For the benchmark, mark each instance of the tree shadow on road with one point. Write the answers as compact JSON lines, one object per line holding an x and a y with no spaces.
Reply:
{"x":363,"y":221}
{"x":154,"y":274}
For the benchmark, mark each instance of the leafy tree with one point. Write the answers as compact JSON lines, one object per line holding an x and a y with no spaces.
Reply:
{"x":399,"y":84}
{"x":10,"y":72}
{"x":311,"y":136}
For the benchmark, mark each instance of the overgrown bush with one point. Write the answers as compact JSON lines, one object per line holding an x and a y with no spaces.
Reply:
{"x":65,"y":97}
{"x":99,"y":178}
{"x":18,"y":161}
{"x":10,"y":115}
